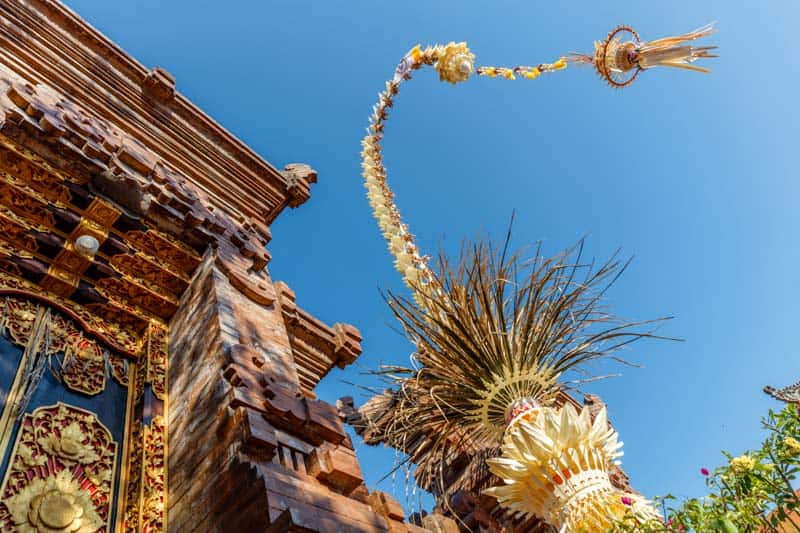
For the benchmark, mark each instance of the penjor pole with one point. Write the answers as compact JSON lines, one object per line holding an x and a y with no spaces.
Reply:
{"x":491,"y":355}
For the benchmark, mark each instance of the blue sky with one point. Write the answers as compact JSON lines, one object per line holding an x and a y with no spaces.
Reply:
{"x":694,"y":175}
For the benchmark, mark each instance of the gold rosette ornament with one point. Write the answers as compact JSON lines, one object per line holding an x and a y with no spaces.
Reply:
{"x":555,"y":466}
{"x":61,"y":472}
{"x":54,"y":505}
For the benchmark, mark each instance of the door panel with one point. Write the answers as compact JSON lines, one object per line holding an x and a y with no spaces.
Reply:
{"x":62,"y":430}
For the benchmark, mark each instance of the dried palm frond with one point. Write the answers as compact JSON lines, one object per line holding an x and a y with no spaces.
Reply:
{"x":497,"y":328}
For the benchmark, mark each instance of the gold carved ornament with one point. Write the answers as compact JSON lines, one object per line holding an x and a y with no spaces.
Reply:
{"x":61,"y":473}
{"x":81,"y":363}
{"x":145,"y":485}
{"x":120,"y":337}
{"x":157,"y":359}
{"x":154,"y":487}
{"x":131,"y":514}
{"x":82,"y":367}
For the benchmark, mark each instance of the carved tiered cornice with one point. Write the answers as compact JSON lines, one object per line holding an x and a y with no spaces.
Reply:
{"x":123,"y":131}
{"x":97,"y":156}
{"x":136,"y":276}
{"x":316,"y":347}
{"x":92,"y":143}
{"x":45,"y":42}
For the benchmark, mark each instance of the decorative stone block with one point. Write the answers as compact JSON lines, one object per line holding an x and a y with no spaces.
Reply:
{"x":386,"y":506}
{"x":336,"y":467}
{"x":159,"y":85}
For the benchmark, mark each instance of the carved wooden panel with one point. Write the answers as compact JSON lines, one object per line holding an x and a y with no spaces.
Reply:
{"x":61,"y":474}
{"x":58,"y":357}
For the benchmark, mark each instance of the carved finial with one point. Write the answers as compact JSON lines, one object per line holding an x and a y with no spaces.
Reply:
{"x":299,"y":178}
{"x":159,"y":85}
{"x":790,"y":394}
{"x":348,"y":344}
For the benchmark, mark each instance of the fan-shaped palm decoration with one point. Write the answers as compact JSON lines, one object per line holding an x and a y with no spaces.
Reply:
{"x":498,"y":336}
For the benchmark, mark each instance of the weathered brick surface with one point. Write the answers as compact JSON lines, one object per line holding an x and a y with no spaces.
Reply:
{"x":249,"y":450}
{"x":386,"y":505}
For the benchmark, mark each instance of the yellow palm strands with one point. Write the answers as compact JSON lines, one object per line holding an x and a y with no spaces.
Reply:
{"x":530,"y":73}
{"x":673,"y":52}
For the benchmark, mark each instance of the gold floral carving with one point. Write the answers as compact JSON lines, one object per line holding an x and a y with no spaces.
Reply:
{"x":119,"y":369}
{"x":146,"y":299}
{"x":17,"y":231}
{"x":9,"y":268}
{"x":84,"y":374}
{"x":32,"y":170}
{"x":58,"y":504}
{"x":83,"y":360}
{"x":151,"y":271}
{"x":16,"y":318}
{"x":122,"y":337}
{"x":133,"y":488}
{"x":157,"y":360}
{"x":118,"y":310}
{"x":153,"y":494}
{"x":83,"y":363}
{"x":174,"y":252}
{"x":27,"y":207}
{"x":145,"y":486}
{"x":61,"y":474}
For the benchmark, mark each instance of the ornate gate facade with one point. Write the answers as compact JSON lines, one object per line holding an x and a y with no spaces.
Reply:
{"x":82,"y":429}
{"x":152,"y":375}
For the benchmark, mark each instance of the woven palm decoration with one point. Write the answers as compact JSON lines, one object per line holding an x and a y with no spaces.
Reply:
{"x":499,"y":336}
{"x":555,"y":465}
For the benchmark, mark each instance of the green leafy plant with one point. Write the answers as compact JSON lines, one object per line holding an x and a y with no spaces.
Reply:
{"x":753,"y":492}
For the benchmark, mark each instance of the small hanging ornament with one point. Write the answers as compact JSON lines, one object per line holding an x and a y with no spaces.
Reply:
{"x":622,"y":55}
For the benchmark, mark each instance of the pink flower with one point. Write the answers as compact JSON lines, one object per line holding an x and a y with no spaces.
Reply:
{"x":669,"y":522}
{"x":704,"y":471}
{"x":626,"y":500}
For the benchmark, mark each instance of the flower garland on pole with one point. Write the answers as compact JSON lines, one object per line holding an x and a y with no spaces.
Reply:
{"x":491,"y":353}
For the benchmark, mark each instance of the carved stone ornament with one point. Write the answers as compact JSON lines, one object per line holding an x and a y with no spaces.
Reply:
{"x":61,"y":473}
{"x":790,"y":394}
